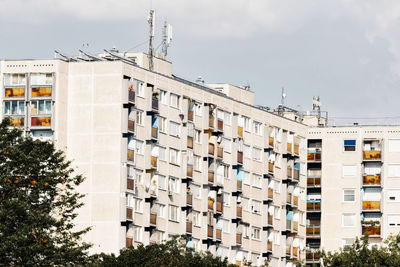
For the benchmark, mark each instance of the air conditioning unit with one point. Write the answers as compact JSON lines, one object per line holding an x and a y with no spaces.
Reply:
{"x":219,"y":139}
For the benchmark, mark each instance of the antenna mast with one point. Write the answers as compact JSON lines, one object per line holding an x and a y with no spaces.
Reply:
{"x":167,"y":37}
{"x":283,"y":96}
{"x":152,"y":23}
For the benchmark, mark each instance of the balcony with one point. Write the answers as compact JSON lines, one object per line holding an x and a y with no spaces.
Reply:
{"x":271,"y":167}
{"x":131,"y":155}
{"x":190,"y":115}
{"x":371,"y":230}
{"x":372,"y":155}
{"x":288,"y":224}
{"x":219,"y":205}
{"x":296,"y":149}
{"x":371,"y":180}
{"x":288,"y":250}
{"x":129,"y":214}
{"x":239,"y":185}
{"x":131,"y":96}
{"x":128,"y":242}
{"x":154,"y":104}
{"x":189,"y":171}
{"x":270,"y":193}
{"x":154,"y":133}
{"x":296,"y":174}
{"x":313,"y":231}
{"x":210,"y":231}
{"x":188,"y":227}
{"x":313,"y":205}
{"x":211,"y":177}
{"x":269,"y":246}
{"x":289,"y":198}
{"x":314,"y":155}
{"x":312,"y":256}
{"x":210,"y":203}
{"x":295,"y":252}
{"x":153,"y":161}
{"x":271,"y":141}
{"x":289,"y":148}
{"x":131,"y":126}
{"x":239,"y":212}
{"x":240,"y":157}
{"x":211,"y":123}
{"x":211,"y":148}
{"x":270,"y":219}
{"x":289,"y":172}
{"x":190,"y":142}
{"x":220,"y":152}
{"x":130,"y":184}
{"x":189,"y":199}
{"x":153,"y":219}
{"x":218,"y":234}
{"x":295,"y":226}
{"x":220,"y":125}
{"x":295,"y":201}
{"x":239,"y":239}
{"x":240,"y":131}
{"x":314,"y":181}
{"x":371,"y":205}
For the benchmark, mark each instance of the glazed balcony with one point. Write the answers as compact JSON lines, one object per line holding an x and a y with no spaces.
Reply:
{"x":371,"y":205}
{"x":210,"y":204}
{"x":270,"y":167}
{"x":189,"y":199}
{"x":240,"y":157}
{"x":131,"y":96}
{"x":211,"y":149}
{"x":314,"y":181}
{"x":131,"y":155}
{"x":153,"y":219}
{"x":269,"y":246}
{"x":129,"y":214}
{"x":372,"y":155}
{"x":210,"y":231}
{"x":240,"y":131}
{"x":211,"y":177}
{"x":313,"y":230}
{"x":190,"y":115}
{"x":189,"y":227}
{"x":289,"y":148}
{"x":371,"y":180}
{"x":270,"y":193}
{"x":314,"y":205}
{"x":239,"y":239}
{"x":218,"y":234}
{"x":289,"y":172}
{"x":271,"y":141}
{"x":312,"y":256}
{"x":220,"y":125}
{"x":130,"y":184}
{"x":314,"y":155}
{"x":128,"y":242}
{"x":131,"y":126}
{"x":190,"y":142}
{"x":371,"y":229}
{"x":239,"y":212}
{"x":220,"y":152}
{"x":189,"y":171}
{"x":296,"y":149}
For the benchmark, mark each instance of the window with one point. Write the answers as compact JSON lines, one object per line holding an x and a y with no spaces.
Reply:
{"x":173,"y":185}
{"x":277,"y":187}
{"x":246,"y":176}
{"x":394,"y":220}
{"x":137,"y":233}
{"x":196,"y":218}
{"x":277,"y":237}
{"x":14,"y":107}
{"x":139,"y":117}
{"x":173,"y":213}
{"x":226,"y":171}
{"x":394,"y":170}
{"x":246,"y":121}
{"x":163,"y":124}
{"x":223,"y":224}
{"x":197,"y":136}
{"x":14,"y":79}
{"x":245,"y":231}
{"x":348,"y":195}
{"x":256,"y":233}
{"x":226,"y":145}
{"x":174,"y":156}
{"x":277,"y":213}
{"x":349,"y":220}
{"x":161,"y":153}
{"x":162,"y":182}
{"x":42,"y":134}
{"x":139,"y":176}
{"x":197,"y":109}
{"x":138,"y":205}
{"x":196,"y":244}
{"x":196,"y":190}
{"x":256,"y":206}
{"x":394,"y":145}
{"x":163,"y":97}
{"x":257,"y":127}
{"x":256,"y":154}
{"x":349,"y":145}
{"x":139,"y":146}
{"x":41,"y":79}
{"x":394,"y":195}
{"x":245,"y":204}
{"x":174,"y":100}
{"x":140,"y":89}
{"x":197,"y":163}
{"x":246,"y":151}
{"x":40,"y":107}
{"x":161,"y":210}
{"x":227,"y":199}
{"x":349,"y":170}
{"x":257,"y":180}
{"x":227,"y":118}
{"x":174,"y":128}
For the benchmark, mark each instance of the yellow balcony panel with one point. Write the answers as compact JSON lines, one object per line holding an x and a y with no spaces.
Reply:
{"x":15,"y":92}
{"x":371,"y":205}
{"x":41,"y":121}
{"x":131,"y":154}
{"x":271,"y":141}
{"x":296,"y":149}
{"x":41,"y":91}
{"x":371,"y":230}
{"x":371,"y":180}
{"x":17,"y":121}
{"x":240,"y":131}
{"x":289,"y":147}
{"x":372,"y":155}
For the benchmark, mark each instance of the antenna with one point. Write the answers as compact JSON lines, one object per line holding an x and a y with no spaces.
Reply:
{"x":167,"y":37}
{"x":152,"y":23}
{"x":283,"y":96}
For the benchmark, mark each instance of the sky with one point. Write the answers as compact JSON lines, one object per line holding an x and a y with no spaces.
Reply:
{"x":347,"y":52}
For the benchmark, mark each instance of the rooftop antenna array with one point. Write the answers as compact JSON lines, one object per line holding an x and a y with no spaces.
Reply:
{"x":152,"y":23}
{"x":167,"y":37}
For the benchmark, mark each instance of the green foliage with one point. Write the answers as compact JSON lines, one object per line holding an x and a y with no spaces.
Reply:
{"x":361,"y":253}
{"x":37,"y":203}
{"x":170,"y":253}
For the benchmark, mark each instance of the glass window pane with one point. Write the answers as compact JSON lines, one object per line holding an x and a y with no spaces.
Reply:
{"x":7,"y":107}
{"x":14,"y":107}
{"x":21,"y":107}
{"x":34,"y":107}
{"x":48,"y":107}
{"x":41,"y":107}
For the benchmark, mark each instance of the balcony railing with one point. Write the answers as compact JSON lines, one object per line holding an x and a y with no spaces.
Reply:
{"x":131,"y":96}
{"x":289,"y":198}
{"x":153,"y":219}
{"x":295,"y":201}
{"x":240,"y":157}
{"x":288,"y":250}
{"x":313,"y":230}
{"x":372,"y":180}
{"x":190,"y":115}
{"x":372,"y":155}
{"x":270,"y":167}
{"x":218,"y":234}
{"x":295,"y":226}
{"x":211,"y":122}
{"x":270,"y":193}
{"x":239,"y":185}
{"x":371,"y":230}
{"x":312,"y":256}
{"x":240,"y":131}
{"x":153,"y":161}
{"x":130,"y":184}
{"x":190,"y":142}
{"x":131,"y":126}
{"x":189,"y":171}
{"x":154,"y":132}
{"x":314,"y":181}
{"x":188,"y":227}
{"x":131,"y":155}
{"x":154,"y":104}
{"x":271,"y":141}
{"x":288,"y":224}
{"x":189,"y":199}
{"x":269,"y":246}
{"x":211,"y":177}
{"x":238,"y":238}
{"x":295,"y":251}
{"x":129,"y":213}
{"x":220,"y":125}
{"x":210,"y":231}
{"x":239,"y":211}
{"x":289,"y":148}
{"x":128,"y":242}
{"x":289,"y":172}
{"x":220,"y":152}
{"x":17,"y":121}
{"x":211,"y":148}
{"x":210,"y":203}
{"x":219,"y":205}
{"x":314,"y":205}
{"x":296,"y":174}
{"x":371,"y":205}
{"x":313,"y":155}
{"x":270,"y":219}
{"x":296,"y":149}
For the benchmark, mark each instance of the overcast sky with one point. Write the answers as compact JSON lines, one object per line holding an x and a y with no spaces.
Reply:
{"x":347,"y":52}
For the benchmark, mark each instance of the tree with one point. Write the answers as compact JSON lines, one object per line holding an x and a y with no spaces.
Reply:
{"x":170,"y":253}
{"x":37,"y":203}
{"x":361,"y":253}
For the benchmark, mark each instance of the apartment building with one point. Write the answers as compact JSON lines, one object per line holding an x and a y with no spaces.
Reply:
{"x":165,"y":156}
{"x":353,"y":186}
